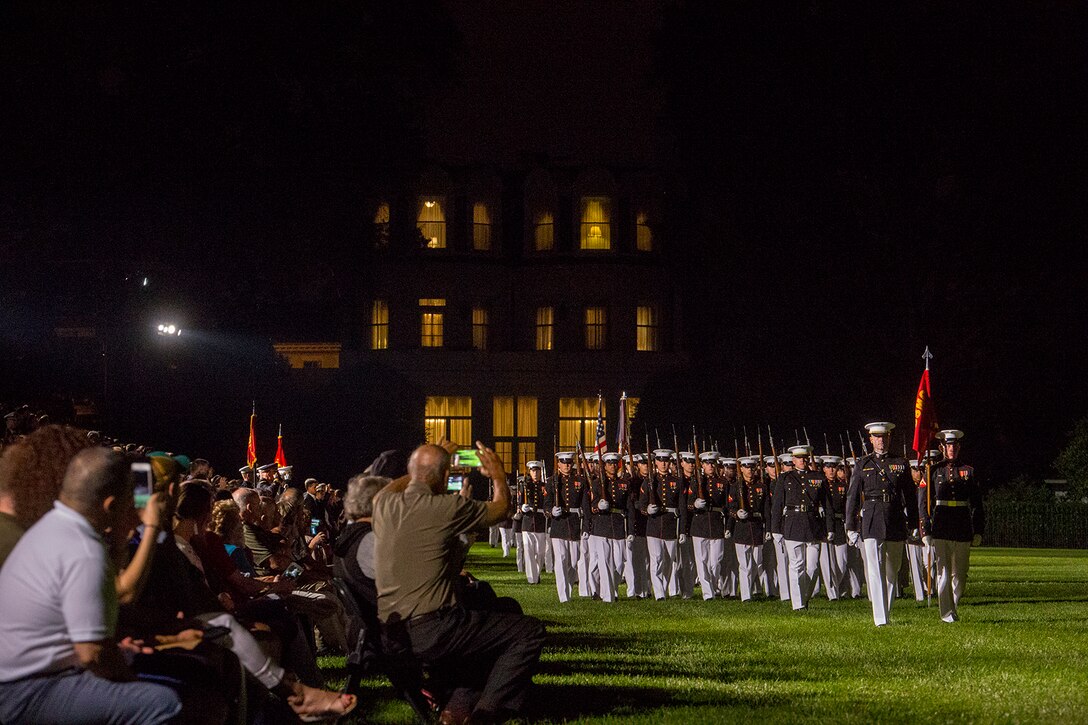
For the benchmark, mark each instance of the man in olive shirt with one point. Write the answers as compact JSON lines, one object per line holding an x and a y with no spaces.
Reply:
{"x":417,"y":557}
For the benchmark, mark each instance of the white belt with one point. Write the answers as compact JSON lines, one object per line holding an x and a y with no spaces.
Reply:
{"x":952,"y":503}
{"x":671,"y":511}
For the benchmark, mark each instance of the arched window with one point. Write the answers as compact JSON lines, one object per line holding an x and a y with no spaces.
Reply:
{"x":432,"y":221}
{"x":596,"y":227}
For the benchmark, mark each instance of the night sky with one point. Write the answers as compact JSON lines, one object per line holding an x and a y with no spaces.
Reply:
{"x":860,"y":182}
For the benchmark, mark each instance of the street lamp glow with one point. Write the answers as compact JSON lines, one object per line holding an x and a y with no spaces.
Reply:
{"x":169,"y":329}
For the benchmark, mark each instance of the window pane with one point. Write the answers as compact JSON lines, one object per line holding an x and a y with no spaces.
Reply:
{"x":479,"y":328}
{"x":595,"y":229}
{"x":545,"y":327}
{"x":436,"y":429}
{"x":432,"y":302}
{"x":577,"y":418}
{"x":505,"y":451}
{"x":526,"y":417}
{"x":432,"y":221}
{"x":646,"y":328}
{"x":432,"y":329}
{"x":504,"y":417}
{"x":461,"y":431}
{"x":644,"y":236}
{"x":543,"y":231}
{"x":569,"y":430}
{"x":481,"y":226}
{"x":448,"y":417}
{"x":381,"y":225}
{"x":379,"y":325}
{"x":595,"y":328}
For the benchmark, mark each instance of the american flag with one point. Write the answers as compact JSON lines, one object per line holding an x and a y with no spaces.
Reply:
{"x":602,"y":441}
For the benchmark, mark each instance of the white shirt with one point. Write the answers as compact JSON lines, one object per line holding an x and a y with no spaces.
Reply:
{"x":57,"y":587}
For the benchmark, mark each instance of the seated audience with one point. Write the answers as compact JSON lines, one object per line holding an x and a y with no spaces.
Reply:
{"x":57,"y":649}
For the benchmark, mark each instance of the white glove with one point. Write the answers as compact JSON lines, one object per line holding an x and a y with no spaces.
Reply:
{"x":914,"y":534}
{"x":683,"y":539}
{"x":630,"y":538}
{"x":777,"y":538}
{"x":976,"y":540}
{"x":830,"y":535}
{"x":557,"y":511}
{"x":742,"y":514}
{"x":602,"y":505}
{"x":700,"y":503}
{"x":767,"y":536}
{"x":853,"y":537}
{"x":585,"y":534}
{"x":526,"y":508}
{"x":652,"y":509}
{"x":728,"y":534}
{"x":927,"y":540}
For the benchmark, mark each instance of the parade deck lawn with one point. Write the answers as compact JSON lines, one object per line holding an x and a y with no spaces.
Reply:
{"x":1019,"y":654}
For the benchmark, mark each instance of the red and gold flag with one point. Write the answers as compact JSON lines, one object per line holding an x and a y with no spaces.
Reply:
{"x":281,"y":460}
{"x":251,"y":449}
{"x":925,"y":416}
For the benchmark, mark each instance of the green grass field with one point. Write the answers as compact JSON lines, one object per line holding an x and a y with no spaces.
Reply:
{"x":1019,"y":654}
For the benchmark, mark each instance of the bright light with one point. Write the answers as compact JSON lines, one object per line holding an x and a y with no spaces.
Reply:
{"x":428,"y":204}
{"x":146,"y":281}
{"x":168,"y":329}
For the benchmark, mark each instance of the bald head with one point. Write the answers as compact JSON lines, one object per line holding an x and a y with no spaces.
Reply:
{"x":94,"y":475}
{"x":429,"y":465}
{"x":249,"y":503}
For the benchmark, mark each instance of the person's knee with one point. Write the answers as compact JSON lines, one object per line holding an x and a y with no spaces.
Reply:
{"x":156,"y":704}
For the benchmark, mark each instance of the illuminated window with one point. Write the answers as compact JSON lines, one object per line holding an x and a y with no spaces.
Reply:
{"x":595,"y":328}
{"x":505,"y":451}
{"x":646,"y":328}
{"x":450,"y":418}
{"x":379,"y":325}
{"x":577,"y":421}
{"x":432,"y":221}
{"x":644,"y":236}
{"x":543,"y":231}
{"x":479,"y":328}
{"x":545,"y":328}
{"x":432,"y":322}
{"x":481,"y":227}
{"x":381,"y":226}
{"x":596,"y":230}
{"x":515,"y":424}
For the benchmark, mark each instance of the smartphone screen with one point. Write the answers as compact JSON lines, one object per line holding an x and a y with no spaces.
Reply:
{"x":467,"y":458}
{"x":455,"y":482}
{"x":315,"y":524}
{"x":140,"y":472}
{"x":292,"y":571}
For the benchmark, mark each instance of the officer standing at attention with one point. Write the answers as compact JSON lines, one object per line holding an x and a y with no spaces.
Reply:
{"x":662,"y":499}
{"x":749,"y":512}
{"x":799,"y":497}
{"x":636,"y":567}
{"x":889,"y":504}
{"x":707,"y":526}
{"x":564,"y":502}
{"x":533,"y":522}
{"x":608,"y":526}
{"x":955,"y":525}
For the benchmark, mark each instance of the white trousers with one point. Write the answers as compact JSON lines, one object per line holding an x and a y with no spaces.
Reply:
{"x":589,"y":581}
{"x":663,"y":574}
{"x":566,"y":561}
{"x":804,"y":563}
{"x":751,"y":574}
{"x":686,"y":568}
{"x":783,"y":565}
{"x":916,"y":557}
{"x":708,"y":564}
{"x":493,"y":536}
{"x":727,"y":582}
{"x":535,"y":546}
{"x":848,"y":581}
{"x":636,"y":568}
{"x":606,"y":558}
{"x":829,"y":570}
{"x":769,"y":574}
{"x":952,"y":560}
{"x":548,"y":558}
{"x":882,"y":560}
{"x":855,"y":563}
{"x":519,"y":553}
{"x":506,"y":537}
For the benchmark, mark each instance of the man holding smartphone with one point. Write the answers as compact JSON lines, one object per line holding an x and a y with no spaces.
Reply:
{"x":418,"y":558}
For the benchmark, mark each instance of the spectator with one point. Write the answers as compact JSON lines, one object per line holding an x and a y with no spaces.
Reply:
{"x":57,"y":649}
{"x":354,"y":549}
{"x":418,"y":556}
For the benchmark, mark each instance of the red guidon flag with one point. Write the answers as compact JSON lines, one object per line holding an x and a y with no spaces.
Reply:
{"x":281,"y":459}
{"x":251,"y":449}
{"x":925,"y":416}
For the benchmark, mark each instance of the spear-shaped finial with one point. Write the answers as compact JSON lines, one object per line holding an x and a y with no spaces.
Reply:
{"x":927,"y":356}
